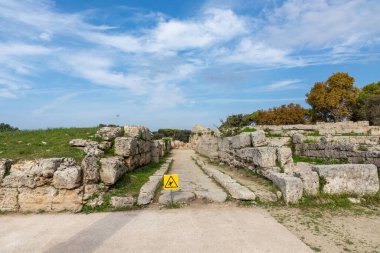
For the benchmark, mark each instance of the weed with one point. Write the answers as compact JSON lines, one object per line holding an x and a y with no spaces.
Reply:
{"x":247,"y":130}
{"x":314,"y":133}
{"x":362,"y":147}
{"x":310,"y":141}
{"x":271,"y":134}
{"x":322,"y":183}
{"x":306,"y":159}
{"x":173,"y":205}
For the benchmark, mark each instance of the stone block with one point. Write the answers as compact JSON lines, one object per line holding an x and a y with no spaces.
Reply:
{"x":291,"y":187}
{"x":109,"y":133}
{"x":359,"y":179}
{"x":122,"y":202}
{"x":5,"y":166}
{"x":36,"y":200}
{"x":8,"y":200}
{"x":242,"y":140}
{"x":126,"y":146}
{"x":90,"y":169}
{"x":68,"y":178}
{"x":261,"y":156}
{"x":284,"y":156}
{"x":68,"y":200}
{"x":112,"y":169}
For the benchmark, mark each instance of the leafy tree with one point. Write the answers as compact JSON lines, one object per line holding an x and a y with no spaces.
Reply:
{"x":175,"y":134}
{"x":368,"y":104}
{"x":282,"y":115}
{"x":238,"y":120}
{"x":334,"y":99}
{"x":7,"y":128}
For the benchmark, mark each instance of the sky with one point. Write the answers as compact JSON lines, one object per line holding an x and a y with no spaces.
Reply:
{"x":172,"y":64}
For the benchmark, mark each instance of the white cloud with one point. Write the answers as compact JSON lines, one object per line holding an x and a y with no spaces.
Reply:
{"x":284,"y":85}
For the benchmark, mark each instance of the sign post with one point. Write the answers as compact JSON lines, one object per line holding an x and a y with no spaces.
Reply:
{"x":171,"y":183}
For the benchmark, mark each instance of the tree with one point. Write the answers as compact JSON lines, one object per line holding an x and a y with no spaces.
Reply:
{"x":282,"y":115}
{"x":334,"y":99}
{"x":175,"y":134}
{"x":238,"y":120}
{"x":368,"y":104}
{"x":7,"y":128}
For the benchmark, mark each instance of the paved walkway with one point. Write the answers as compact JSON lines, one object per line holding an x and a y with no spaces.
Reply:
{"x":194,"y":183}
{"x":198,"y":228}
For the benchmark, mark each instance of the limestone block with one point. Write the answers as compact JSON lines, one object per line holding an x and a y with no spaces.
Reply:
{"x":298,"y":138}
{"x":90,"y":169}
{"x":81,"y":143}
{"x":36,"y":200}
{"x":5,"y":165}
{"x":126,"y":146}
{"x":91,"y":189}
{"x":109,"y":133}
{"x":357,"y":179}
{"x":291,"y":187}
{"x":93,"y":150}
{"x":8,"y":200}
{"x":112,"y":168}
{"x":261,"y":156}
{"x":284,"y":156}
{"x":137,"y":132}
{"x":310,"y":178}
{"x":68,"y":200}
{"x":68,"y":178}
{"x":241,"y":141}
{"x":122,"y":202}
{"x":258,"y":138}
{"x":21,"y":175}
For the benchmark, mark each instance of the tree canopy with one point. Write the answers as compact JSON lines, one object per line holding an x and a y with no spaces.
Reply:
{"x":175,"y":134}
{"x":6,"y":128}
{"x":368,"y":104}
{"x":334,"y":99}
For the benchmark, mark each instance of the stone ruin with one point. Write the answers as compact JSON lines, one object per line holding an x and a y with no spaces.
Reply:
{"x":269,"y":152}
{"x":61,"y":184}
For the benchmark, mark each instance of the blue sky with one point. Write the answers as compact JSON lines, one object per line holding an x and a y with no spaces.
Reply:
{"x":175,"y":63}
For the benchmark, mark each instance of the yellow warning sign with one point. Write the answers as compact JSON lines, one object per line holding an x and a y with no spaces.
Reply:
{"x":171,"y":182}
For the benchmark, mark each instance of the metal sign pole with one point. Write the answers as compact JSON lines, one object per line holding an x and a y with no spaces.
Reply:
{"x":171,"y":196}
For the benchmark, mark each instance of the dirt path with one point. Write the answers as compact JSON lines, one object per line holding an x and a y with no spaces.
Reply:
{"x":194,"y":183}
{"x":203,"y":228}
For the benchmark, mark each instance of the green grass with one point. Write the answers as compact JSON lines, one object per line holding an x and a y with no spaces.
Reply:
{"x":317,"y":161}
{"x":326,"y":201}
{"x":173,"y":206}
{"x":247,"y":130}
{"x":32,"y":144}
{"x":353,"y":134}
{"x":129,"y":185}
{"x":271,"y":134}
{"x":314,"y":133}
{"x":309,"y":141}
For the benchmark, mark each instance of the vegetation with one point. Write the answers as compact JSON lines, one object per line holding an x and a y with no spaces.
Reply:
{"x":129,"y":185}
{"x":368,"y":104}
{"x":175,"y":134}
{"x":334,"y":99}
{"x":7,"y":128}
{"x":24,"y":145}
{"x":282,"y":115}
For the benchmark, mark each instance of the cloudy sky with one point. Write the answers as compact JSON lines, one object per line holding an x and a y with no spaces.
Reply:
{"x":167,"y":63}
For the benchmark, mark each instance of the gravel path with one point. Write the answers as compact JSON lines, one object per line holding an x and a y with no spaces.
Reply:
{"x":193,"y":182}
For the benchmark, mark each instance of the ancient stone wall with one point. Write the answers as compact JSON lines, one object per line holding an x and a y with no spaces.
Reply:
{"x":272,"y":156}
{"x":61,"y":184}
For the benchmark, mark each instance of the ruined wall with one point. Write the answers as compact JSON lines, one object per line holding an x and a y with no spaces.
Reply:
{"x":61,"y":184}
{"x":272,"y":156}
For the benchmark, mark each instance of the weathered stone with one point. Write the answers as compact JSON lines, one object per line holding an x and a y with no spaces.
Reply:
{"x":242,"y":140}
{"x":48,"y":166}
{"x":178,"y":197}
{"x":112,"y":168}
{"x":98,"y":201}
{"x":291,"y":187}
{"x":91,"y":189}
{"x":90,"y":169}
{"x":126,"y":146}
{"x":208,"y":147}
{"x":138,"y":132}
{"x":109,"y":133}
{"x":105,"y":145}
{"x":8,"y":200}
{"x":357,"y":179}
{"x":82,"y":143}
{"x":284,"y":156}
{"x":260,"y":156}
{"x":36,"y":200}
{"x":5,"y":166}
{"x":298,"y":138}
{"x":122,"y":202}
{"x":68,"y":200}
{"x":69,"y":178}
{"x":93,"y":150}
{"x":310,"y":182}
{"x":258,"y":138}
{"x":21,"y":175}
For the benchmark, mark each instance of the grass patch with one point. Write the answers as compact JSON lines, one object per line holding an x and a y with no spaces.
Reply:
{"x":353,"y":134}
{"x":317,"y":161}
{"x":326,"y":201}
{"x":33,"y":144}
{"x":314,"y":133}
{"x":247,"y":130}
{"x":173,"y":206}
{"x":308,"y":141}
{"x":130,"y":184}
{"x":271,"y":134}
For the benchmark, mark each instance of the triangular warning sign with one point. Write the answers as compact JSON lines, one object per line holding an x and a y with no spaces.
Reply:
{"x":171,"y":183}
